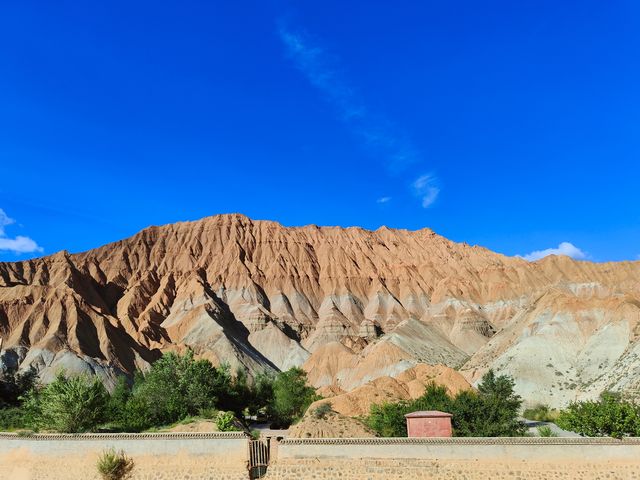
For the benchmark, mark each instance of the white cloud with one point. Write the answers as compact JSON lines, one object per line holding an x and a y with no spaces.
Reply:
{"x":565,"y":248}
{"x":375,"y":132}
{"x":19,"y":244}
{"x":426,"y":188}
{"x":4,"y":221}
{"x":384,"y":200}
{"x":321,"y":69}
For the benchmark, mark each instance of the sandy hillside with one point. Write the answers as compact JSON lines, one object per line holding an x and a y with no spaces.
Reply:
{"x":408,"y":385}
{"x":332,"y":425}
{"x":263,"y":296}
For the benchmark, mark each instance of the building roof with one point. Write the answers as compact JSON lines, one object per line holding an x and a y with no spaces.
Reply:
{"x":428,"y":414}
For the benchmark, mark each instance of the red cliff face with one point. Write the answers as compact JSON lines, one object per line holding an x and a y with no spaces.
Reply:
{"x":257,"y":294}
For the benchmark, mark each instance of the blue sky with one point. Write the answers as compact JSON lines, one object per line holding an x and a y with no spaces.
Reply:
{"x":513,"y":125}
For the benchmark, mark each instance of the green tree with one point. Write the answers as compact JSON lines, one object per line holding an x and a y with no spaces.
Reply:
{"x":262,"y":392}
{"x":611,"y":416}
{"x":291,"y":396}
{"x":490,"y":412}
{"x":468,"y":410}
{"x":118,"y":400}
{"x":387,"y":419}
{"x":497,"y":410}
{"x":241,"y":393}
{"x":14,"y":388}
{"x":435,"y":397}
{"x":174,"y":387}
{"x":136,"y":416}
{"x":69,"y":404}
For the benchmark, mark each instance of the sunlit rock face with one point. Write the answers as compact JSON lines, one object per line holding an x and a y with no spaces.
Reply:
{"x":262,"y":296}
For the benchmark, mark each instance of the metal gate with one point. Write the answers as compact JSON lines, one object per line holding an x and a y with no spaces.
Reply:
{"x":259,"y":455}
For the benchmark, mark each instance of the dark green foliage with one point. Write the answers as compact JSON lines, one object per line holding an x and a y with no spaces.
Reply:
{"x":174,"y":387}
{"x":491,"y":412}
{"x":13,"y":418}
{"x":261,"y":398}
{"x":70,"y":405}
{"x":238,"y":393}
{"x":136,"y":416}
{"x":14,"y":385}
{"x":496,"y":409}
{"x":387,"y":419}
{"x":610,"y":416}
{"x":469,"y":410}
{"x":435,"y":397}
{"x":178,"y":386}
{"x":291,"y":396}
{"x":118,"y":399}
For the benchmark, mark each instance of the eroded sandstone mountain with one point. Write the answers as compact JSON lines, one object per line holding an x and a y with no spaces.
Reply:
{"x":350,"y":304}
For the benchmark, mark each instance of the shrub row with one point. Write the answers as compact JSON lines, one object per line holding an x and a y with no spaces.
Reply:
{"x":175,"y":388}
{"x":492,"y":411}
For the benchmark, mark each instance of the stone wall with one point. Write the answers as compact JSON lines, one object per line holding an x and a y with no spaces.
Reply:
{"x":457,"y":459}
{"x":223,"y":456}
{"x":219,"y":456}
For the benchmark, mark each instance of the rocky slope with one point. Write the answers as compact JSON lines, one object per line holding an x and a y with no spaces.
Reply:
{"x":329,"y":425}
{"x":354,"y":304}
{"x":407,"y":385}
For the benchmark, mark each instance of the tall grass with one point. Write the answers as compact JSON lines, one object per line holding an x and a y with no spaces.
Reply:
{"x":114,"y":465}
{"x":541,"y":413}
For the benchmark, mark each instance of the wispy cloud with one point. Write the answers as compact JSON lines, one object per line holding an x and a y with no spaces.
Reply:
{"x":376,"y":133}
{"x":383,"y":200}
{"x":565,"y":248}
{"x":19,"y":244}
{"x":425,"y":187}
{"x":4,"y":221}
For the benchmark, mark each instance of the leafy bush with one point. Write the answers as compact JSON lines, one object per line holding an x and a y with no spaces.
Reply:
{"x":14,"y":388}
{"x":226,"y":422}
{"x":322,"y":410}
{"x":541,"y":413}
{"x":70,"y":405}
{"x":13,"y":418}
{"x":610,"y":416}
{"x":291,"y":396}
{"x":491,"y":412}
{"x":496,"y":409}
{"x":174,"y":387}
{"x":114,"y":465}
{"x":261,"y":394}
{"x":118,"y":399}
{"x":387,"y":419}
{"x":136,"y":415}
{"x":545,"y":431}
{"x":435,"y":397}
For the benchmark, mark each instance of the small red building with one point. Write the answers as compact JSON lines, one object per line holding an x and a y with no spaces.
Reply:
{"x":429,"y":424}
